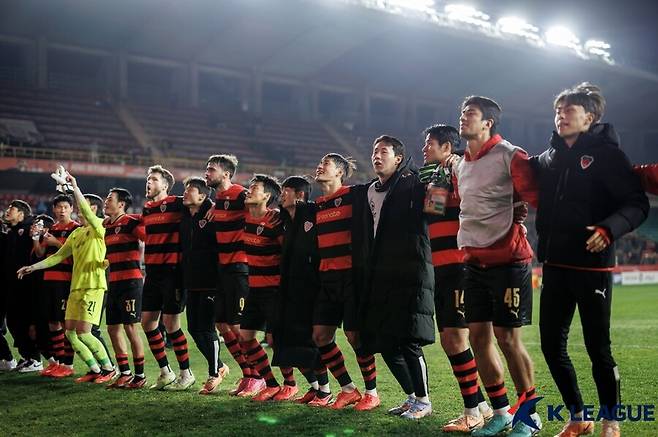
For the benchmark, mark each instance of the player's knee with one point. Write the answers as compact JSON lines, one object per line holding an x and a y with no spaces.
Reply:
{"x":353,"y":339}
{"x":507,"y":340}
{"x":321,"y":338}
{"x":452,"y":343}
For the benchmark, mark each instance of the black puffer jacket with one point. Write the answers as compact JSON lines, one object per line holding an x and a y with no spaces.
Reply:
{"x":397,"y":306}
{"x":199,"y":249}
{"x":293,"y":332}
{"x":589,"y":184}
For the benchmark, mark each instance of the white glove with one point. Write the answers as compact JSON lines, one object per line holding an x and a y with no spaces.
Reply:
{"x":60,"y":177}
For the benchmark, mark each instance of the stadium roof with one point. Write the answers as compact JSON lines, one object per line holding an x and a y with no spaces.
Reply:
{"x":331,"y":43}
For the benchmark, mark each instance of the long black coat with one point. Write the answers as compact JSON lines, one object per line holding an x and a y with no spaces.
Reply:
{"x":199,"y":250}
{"x":397,"y":305}
{"x":293,"y":341}
{"x":591,"y":183}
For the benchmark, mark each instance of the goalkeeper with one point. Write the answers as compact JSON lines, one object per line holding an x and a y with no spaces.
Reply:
{"x":85,"y":303}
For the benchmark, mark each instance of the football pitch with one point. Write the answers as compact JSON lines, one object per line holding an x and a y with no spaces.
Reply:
{"x":33,"y":405}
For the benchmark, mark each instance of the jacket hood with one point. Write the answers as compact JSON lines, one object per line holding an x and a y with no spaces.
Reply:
{"x":598,"y":134}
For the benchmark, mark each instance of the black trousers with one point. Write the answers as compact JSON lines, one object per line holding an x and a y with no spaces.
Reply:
{"x":408,"y":366}
{"x":591,"y":292}
{"x":200,"y":314}
{"x":20,"y":317}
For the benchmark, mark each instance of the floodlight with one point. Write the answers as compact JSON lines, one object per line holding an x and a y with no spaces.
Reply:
{"x":561,"y":36}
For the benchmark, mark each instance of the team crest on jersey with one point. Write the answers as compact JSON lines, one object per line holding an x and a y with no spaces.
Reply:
{"x":586,"y":161}
{"x":308,"y":226}
{"x":338,"y":201}
{"x":117,"y":229}
{"x":226,"y":204}
{"x":20,"y":232}
{"x":260,"y":229}
{"x":202,"y":223}
{"x":163,"y":207}
{"x":63,"y":234}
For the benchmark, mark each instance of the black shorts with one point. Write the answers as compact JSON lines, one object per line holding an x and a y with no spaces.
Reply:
{"x":52,"y":301}
{"x":260,"y":309}
{"x":163,"y":290}
{"x":336,"y":301}
{"x":449,"y":301}
{"x":501,"y":295}
{"x":124,"y":303}
{"x":232,"y":292}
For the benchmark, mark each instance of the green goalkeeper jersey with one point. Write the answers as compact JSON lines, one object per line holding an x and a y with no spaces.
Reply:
{"x":87,"y":245}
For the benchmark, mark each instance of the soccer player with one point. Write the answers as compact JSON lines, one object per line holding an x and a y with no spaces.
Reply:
{"x":263,"y":236}
{"x":337,"y":301}
{"x":124,"y":299}
{"x":649,"y":176}
{"x":163,"y":292}
{"x":18,"y":248}
{"x":232,"y":284}
{"x":398,"y":305}
{"x":300,"y":281}
{"x":448,"y":260}
{"x":199,"y":265}
{"x":497,"y":280}
{"x":589,"y":198}
{"x":88,"y":284}
{"x":57,"y":285}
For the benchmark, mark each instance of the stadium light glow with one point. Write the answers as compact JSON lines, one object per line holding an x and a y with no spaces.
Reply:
{"x":561,"y":36}
{"x":467,"y":14}
{"x":519,"y":27}
{"x":417,"y":5}
{"x":599,"y":48}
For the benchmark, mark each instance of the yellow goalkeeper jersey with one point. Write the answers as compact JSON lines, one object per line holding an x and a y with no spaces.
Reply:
{"x":87,"y":246}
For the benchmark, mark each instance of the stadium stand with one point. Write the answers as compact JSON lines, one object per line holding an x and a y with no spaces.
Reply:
{"x":68,"y":121}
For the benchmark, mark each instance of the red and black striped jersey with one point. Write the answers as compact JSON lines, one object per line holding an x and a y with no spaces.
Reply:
{"x":161,"y":222}
{"x":263,"y":239}
{"x":443,"y":236}
{"x":229,"y":225}
{"x":334,"y":228}
{"x":122,"y":243}
{"x":63,"y":270}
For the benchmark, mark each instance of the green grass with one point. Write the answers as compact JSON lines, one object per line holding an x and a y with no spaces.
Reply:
{"x":32,"y":405}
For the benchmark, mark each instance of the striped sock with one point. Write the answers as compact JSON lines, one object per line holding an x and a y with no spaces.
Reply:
{"x":498,"y":396}
{"x":288,"y":377}
{"x":233,"y":345}
{"x":466,"y":372}
{"x":157,"y":346}
{"x":258,"y":359}
{"x":523,"y":398}
{"x":368,"y":369}
{"x":310,"y":376}
{"x":180,"y":348}
{"x":69,"y":353}
{"x":122,"y":362}
{"x":333,"y":359}
{"x":321,"y":375}
{"x":139,"y":365}
{"x":57,"y":344}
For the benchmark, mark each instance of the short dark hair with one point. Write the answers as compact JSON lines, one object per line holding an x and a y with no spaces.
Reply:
{"x":123,"y":195}
{"x":489,"y":108}
{"x":47,"y":220}
{"x":61,"y":198}
{"x":586,"y":95}
{"x":300,"y":184}
{"x":198,"y":183}
{"x":22,"y":206}
{"x":444,"y":133}
{"x":95,"y":200}
{"x":347,"y":164}
{"x":398,"y":147}
{"x":270,"y":185}
{"x":227,"y":162}
{"x":166,"y":174}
